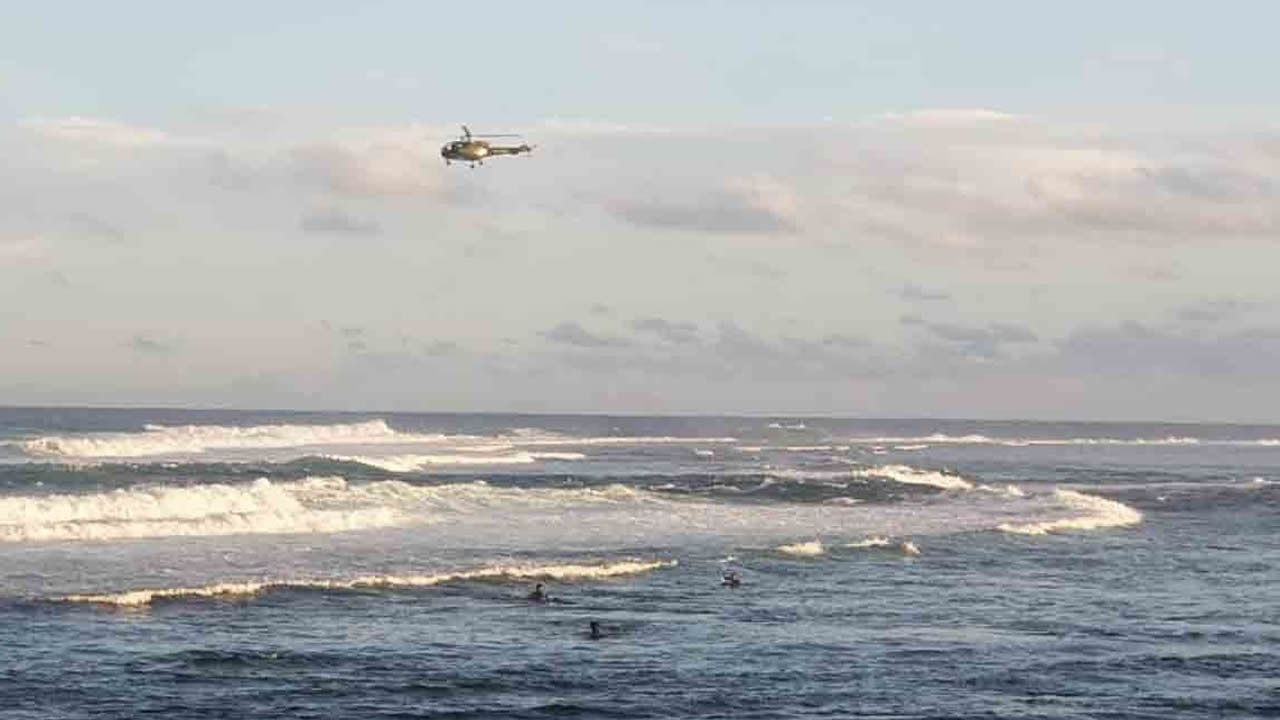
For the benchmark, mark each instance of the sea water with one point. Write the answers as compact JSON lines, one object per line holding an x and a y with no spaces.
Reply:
{"x":255,"y":564}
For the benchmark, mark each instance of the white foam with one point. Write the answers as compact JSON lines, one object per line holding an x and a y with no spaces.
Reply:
{"x":183,"y":440}
{"x":871,"y":542}
{"x":1009,"y":490}
{"x":703,"y":452}
{"x":805,"y":475}
{"x":558,"y":456}
{"x":878,"y":541}
{"x":562,"y":573}
{"x":195,"y":439}
{"x":811,"y":548}
{"x":312,"y":505}
{"x":1097,"y":513}
{"x":915,"y":476}
{"x":414,"y":462}
{"x":920,"y":442}
{"x":842,"y":501}
{"x":530,"y":439}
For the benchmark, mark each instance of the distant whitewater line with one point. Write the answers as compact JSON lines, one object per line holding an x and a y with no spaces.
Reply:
{"x":922,"y":441}
{"x":791,"y":448}
{"x":1098,"y":513}
{"x":562,"y":573}
{"x":193,"y":439}
{"x":616,"y":440}
{"x":156,"y":440}
{"x":411,"y":462}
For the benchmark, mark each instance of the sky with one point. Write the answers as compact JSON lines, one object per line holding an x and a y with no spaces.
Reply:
{"x":870,"y":209}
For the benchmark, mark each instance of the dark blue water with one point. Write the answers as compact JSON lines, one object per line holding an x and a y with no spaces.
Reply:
{"x":250,"y":564}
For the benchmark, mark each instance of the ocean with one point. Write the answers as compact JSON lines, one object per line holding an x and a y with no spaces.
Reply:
{"x":209,"y":564}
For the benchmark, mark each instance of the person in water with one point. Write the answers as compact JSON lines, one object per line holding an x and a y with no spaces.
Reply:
{"x":538,"y":595}
{"x":596,"y":634}
{"x":731,"y":579}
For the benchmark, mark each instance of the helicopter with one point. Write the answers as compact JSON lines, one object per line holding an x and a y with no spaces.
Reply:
{"x":473,"y":152}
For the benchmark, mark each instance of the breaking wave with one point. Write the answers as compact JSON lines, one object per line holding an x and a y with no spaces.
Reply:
{"x":562,"y":573}
{"x":812,"y":548}
{"x":1097,"y":512}
{"x":311,"y":505}
{"x":878,"y":542}
{"x":914,"y":476}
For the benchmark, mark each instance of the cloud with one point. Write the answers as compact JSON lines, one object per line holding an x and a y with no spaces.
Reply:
{"x":846,"y":340}
{"x":375,"y":163}
{"x":336,"y":222}
{"x":440,"y":348}
{"x":1214,"y":311}
{"x":979,"y":342}
{"x":573,"y":334}
{"x":227,"y":171}
{"x":579,"y":127}
{"x":92,"y":225}
{"x":949,"y":117}
{"x":746,"y":266}
{"x":677,"y":333}
{"x":757,"y":204}
{"x":21,"y":249}
{"x":369,"y":168}
{"x":148,"y":345}
{"x":1133,"y":349}
{"x":912,"y":292}
{"x":97,"y":131}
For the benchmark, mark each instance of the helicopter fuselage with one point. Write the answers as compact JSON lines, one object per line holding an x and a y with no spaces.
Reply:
{"x":475,"y":151}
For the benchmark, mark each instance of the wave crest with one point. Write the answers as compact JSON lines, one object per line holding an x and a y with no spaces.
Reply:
{"x":561,"y":573}
{"x":915,"y":476}
{"x":1098,"y":513}
{"x":812,"y":548}
{"x":311,"y":505}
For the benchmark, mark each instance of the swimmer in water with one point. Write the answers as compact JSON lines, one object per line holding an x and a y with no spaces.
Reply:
{"x":538,"y":595}
{"x":596,"y":634}
{"x":731,"y":579}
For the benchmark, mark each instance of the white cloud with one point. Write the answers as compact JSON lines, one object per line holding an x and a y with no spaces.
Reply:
{"x":98,"y":131}
{"x":19,"y":249}
{"x":949,"y":117}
